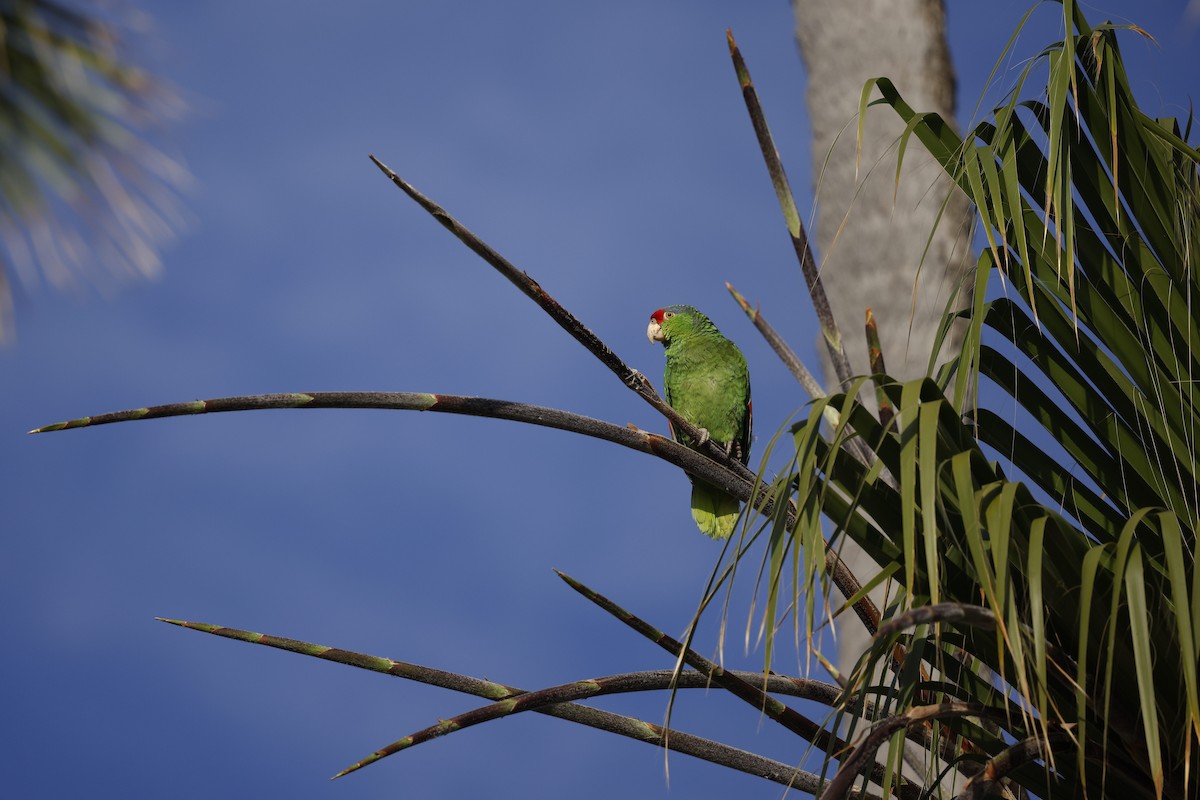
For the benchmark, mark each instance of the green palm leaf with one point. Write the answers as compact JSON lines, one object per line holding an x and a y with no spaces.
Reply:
{"x":1066,"y":504}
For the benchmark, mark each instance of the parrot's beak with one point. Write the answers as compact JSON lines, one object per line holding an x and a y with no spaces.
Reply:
{"x":654,"y":331}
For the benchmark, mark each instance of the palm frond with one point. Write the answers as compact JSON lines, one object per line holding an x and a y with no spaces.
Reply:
{"x":1066,"y":504}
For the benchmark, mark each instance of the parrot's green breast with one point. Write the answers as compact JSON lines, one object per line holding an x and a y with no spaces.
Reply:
{"x":707,"y":382}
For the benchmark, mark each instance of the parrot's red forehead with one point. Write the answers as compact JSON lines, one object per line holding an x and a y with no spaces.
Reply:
{"x":657,"y":316}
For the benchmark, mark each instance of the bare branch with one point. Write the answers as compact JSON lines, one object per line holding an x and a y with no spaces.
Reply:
{"x":864,"y":753}
{"x":855,"y":446}
{"x":995,"y":770}
{"x":846,"y":582}
{"x":527,"y":701}
{"x":633,"y":438}
{"x":678,"y":741}
{"x":957,"y":613}
{"x":967,"y":614}
{"x":781,"y":348}
{"x":787,"y":203}
{"x":878,"y":367}
{"x":566,"y":320}
{"x":736,"y":685}
{"x":691,"y":461}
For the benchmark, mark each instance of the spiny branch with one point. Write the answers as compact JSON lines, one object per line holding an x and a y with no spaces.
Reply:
{"x":635,"y":439}
{"x":855,"y":446}
{"x":531,"y":288}
{"x":788,"y":717}
{"x":691,"y":461}
{"x":748,"y":691}
{"x":787,"y":203}
{"x":997,"y":768}
{"x":781,"y":347}
{"x":695,"y":463}
{"x":878,"y":368}
{"x":952,"y":613}
{"x":864,"y":753}
{"x":566,"y":320}
{"x":846,"y":582}
{"x":969,"y":615}
{"x":527,"y":701}
{"x":680,"y":742}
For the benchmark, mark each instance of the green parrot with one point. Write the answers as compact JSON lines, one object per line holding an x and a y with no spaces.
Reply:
{"x":707,"y":382}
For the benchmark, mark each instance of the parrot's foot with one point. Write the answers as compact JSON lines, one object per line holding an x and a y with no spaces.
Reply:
{"x":636,"y":379}
{"x":704,"y":437}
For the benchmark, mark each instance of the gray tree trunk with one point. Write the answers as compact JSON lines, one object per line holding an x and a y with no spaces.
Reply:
{"x":871,"y":234}
{"x":880,"y":242}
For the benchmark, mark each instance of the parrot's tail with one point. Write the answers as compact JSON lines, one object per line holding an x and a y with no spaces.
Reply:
{"x":715,"y":512}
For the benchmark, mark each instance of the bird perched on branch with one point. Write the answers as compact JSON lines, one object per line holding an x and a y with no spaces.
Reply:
{"x":707,"y":382}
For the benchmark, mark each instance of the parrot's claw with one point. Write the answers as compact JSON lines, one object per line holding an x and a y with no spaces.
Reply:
{"x":704,"y":437}
{"x":635,"y":379}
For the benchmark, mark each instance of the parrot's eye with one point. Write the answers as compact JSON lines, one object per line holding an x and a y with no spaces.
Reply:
{"x":668,"y":314}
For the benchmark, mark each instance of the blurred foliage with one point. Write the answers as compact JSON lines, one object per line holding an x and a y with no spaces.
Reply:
{"x":82,"y":191}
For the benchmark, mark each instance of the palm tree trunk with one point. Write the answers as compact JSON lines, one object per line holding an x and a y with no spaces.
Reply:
{"x":872,"y":232}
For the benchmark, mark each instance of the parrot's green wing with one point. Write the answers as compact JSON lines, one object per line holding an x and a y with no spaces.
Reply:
{"x":706,"y":380}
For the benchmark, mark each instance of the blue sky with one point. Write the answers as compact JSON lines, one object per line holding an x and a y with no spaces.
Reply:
{"x":603,"y":148}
